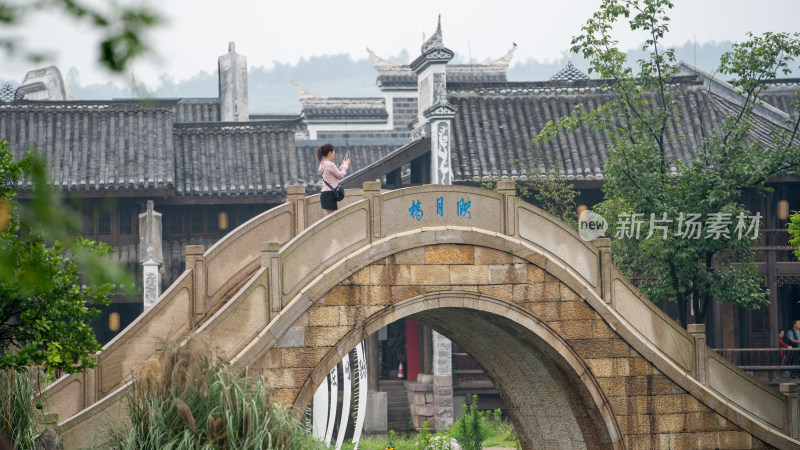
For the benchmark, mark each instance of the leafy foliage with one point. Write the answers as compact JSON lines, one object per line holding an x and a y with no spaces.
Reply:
{"x":644,"y":176}
{"x":794,"y":232}
{"x":546,"y":187}
{"x":122,"y":27}
{"x":47,"y":300}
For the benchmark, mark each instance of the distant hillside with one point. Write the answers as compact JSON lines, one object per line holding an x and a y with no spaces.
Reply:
{"x":342,"y":76}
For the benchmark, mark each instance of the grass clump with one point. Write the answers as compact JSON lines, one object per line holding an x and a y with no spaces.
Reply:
{"x":186,"y":401}
{"x":19,"y":416}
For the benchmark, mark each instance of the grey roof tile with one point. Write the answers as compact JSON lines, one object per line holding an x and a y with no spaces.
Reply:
{"x":236,"y":158}
{"x":495,"y":123}
{"x":96,"y":146}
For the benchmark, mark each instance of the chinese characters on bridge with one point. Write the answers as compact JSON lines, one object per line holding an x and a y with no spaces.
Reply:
{"x":462,"y":208}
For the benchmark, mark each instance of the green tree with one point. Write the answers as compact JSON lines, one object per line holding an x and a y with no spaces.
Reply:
{"x":122,"y":27}
{"x":643,"y":177}
{"x":546,"y":186}
{"x":51,"y":284}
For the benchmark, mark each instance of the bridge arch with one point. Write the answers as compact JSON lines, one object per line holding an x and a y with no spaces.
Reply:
{"x":517,"y":271}
{"x":550,"y":393}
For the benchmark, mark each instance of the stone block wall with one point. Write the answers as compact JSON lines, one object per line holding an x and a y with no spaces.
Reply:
{"x":651,"y":410}
{"x":404,"y":110}
{"x":421,"y":402}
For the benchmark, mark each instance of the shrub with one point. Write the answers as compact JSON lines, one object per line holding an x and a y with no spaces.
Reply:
{"x":470,"y":431}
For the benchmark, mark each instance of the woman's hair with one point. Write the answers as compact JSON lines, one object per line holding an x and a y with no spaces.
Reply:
{"x":323,"y":150}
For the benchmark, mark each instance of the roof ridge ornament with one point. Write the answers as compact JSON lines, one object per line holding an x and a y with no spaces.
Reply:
{"x":382,"y":64}
{"x":503,"y":61}
{"x":435,"y":41}
{"x":304,"y":94}
{"x":569,"y":73}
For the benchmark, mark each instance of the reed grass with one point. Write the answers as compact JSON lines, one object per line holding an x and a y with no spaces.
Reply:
{"x":185,"y":400}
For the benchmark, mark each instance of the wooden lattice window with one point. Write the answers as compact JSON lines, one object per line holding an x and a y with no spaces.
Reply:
{"x":104,"y":223}
{"x":88,"y":220}
{"x":125,"y":221}
{"x":197,"y":222}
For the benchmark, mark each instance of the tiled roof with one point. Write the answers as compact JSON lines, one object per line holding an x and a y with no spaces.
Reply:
{"x":96,"y":146}
{"x":781,"y":94}
{"x":402,"y":77}
{"x":197,"y":110}
{"x":135,"y":145}
{"x":569,"y":73}
{"x":495,"y":123}
{"x":345,"y":109}
{"x":236,"y":158}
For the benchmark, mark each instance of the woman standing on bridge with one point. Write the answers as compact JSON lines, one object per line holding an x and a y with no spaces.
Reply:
{"x":330,"y":177}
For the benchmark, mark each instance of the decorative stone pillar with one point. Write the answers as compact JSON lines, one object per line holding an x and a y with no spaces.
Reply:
{"x":233,"y":86}
{"x":440,"y":116}
{"x":434,"y":114}
{"x":150,"y":254}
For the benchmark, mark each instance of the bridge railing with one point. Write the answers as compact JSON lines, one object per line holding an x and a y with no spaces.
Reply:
{"x":210,"y":278}
{"x":214,"y":276}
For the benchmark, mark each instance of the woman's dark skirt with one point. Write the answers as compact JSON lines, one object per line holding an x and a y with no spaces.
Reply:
{"x":328,"y":200}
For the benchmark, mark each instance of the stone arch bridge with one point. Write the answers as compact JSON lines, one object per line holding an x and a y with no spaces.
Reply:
{"x":577,"y":354}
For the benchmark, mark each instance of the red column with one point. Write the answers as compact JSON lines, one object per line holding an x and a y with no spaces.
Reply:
{"x":412,"y":350}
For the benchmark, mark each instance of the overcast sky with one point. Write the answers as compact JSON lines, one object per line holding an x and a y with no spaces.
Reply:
{"x":198,"y":31}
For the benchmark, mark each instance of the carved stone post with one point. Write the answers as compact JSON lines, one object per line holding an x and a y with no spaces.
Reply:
{"x":698,"y":330}
{"x":604,"y":246}
{"x":372,"y":193}
{"x":296,"y":194}
{"x":90,"y":387}
{"x":150,"y":254}
{"x":270,"y":260}
{"x":195,"y":263}
{"x":508,"y":189}
{"x":792,"y":412}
